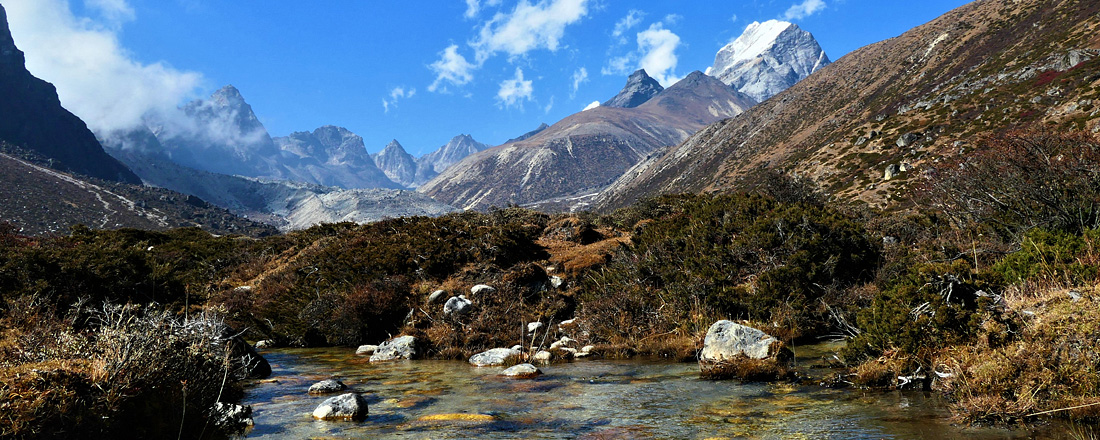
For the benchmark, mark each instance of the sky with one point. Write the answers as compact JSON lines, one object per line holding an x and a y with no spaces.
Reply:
{"x":417,"y":71}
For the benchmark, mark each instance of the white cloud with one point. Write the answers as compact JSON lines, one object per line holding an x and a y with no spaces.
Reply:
{"x":673,"y":19}
{"x":528,"y":27}
{"x":115,"y":11}
{"x":734,"y":18}
{"x":474,"y":6}
{"x":96,"y":78}
{"x":657,"y":47}
{"x":451,"y":67}
{"x":549,"y":106}
{"x":591,"y":106}
{"x":514,"y":91}
{"x":579,"y":77}
{"x":633,"y":18}
{"x":397,"y":93}
{"x":805,"y":9}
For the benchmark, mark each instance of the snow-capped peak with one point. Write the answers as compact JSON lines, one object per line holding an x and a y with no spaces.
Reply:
{"x":767,"y":58}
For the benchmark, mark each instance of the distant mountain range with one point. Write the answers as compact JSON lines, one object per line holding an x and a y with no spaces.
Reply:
{"x":913,"y":100}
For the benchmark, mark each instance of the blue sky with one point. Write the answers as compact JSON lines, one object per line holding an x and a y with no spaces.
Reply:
{"x":417,"y":71}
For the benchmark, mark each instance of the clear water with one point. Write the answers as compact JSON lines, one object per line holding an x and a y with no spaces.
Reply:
{"x":593,"y":399}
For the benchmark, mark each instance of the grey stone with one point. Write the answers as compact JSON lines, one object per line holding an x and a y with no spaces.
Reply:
{"x":232,"y":416}
{"x":266,"y":343}
{"x":348,"y":406}
{"x":891,"y":171}
{"x":533,"y":326}
{"x":436,"y":296}
{"x":727,"y":340}
{"x":401,"y":347}
{"x":543,"y":356}
{"x":492,"y":357}
{"x":907,"y":139}
{"x":327,"y":386}
{"x":457,"y":306}
{"x":482,"y":288}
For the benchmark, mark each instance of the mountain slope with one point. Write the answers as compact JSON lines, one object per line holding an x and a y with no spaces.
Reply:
{"x":32,"y":118}
{"x":37,"y":200}
{"x":330,"y":156}
{"x":397,"y":163}
{"x":454,"y":151}
{"x":932,"y":92}
{"x":768,"y":58}
{"x":586,"y":150}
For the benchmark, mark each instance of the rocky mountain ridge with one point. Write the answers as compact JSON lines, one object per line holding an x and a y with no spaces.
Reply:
{"x":587,"y":150}
{"x":639,"y":89}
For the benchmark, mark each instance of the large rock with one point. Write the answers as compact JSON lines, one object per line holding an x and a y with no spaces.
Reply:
{"x":492,"y":357}
{"x":457,"y":306}
{"x":348,"y":406}
{"x":327,"y":386}
{"x":522,"y":371}
{"x":734,"y":350}
{"x":367,"y":349}
{"x":436,"y":296}
{"x":401,"y":347}
{"x":231,"y":417}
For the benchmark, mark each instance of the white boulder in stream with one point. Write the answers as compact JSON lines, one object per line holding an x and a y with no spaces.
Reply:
{"x":401,"y":347}
{"x":327,"y":386}
{"x":734,"y":350}
{"x":348,"y":406}
{"x":493,"y":357}
{"x":522,"y":371}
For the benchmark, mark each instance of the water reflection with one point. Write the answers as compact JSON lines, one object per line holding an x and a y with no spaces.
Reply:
{"x":590,"y":399}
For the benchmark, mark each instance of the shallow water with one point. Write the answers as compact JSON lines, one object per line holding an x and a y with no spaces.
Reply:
{"x":594,"y":399}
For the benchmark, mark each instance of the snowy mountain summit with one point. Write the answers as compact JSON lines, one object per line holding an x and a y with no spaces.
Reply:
{"x":768,"y":58}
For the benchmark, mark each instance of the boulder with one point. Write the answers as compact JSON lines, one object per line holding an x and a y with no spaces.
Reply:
{"x":907,"y":139}
{"x":482,"y":288}
{"x":266,"y":343}
{"x":327,"y":386}
{"x":401,"y":347}
{"x":348,"y":406}
{"x":366,"y":349}
{"x":735,"y":350}
{"x":436,"y":296}
{"x":522,"y":371}
{"x":517,"y":347}
{"x":533,"y":326}
{"x":543,"y":356}
{"x":892,"y":171}
{"x":556,"y":281}
{"x":457,"y":306}
{"x":492,"y":357}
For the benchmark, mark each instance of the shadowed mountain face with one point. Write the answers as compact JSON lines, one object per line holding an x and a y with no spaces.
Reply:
{"x":587,"y":150}
{"x":639,"y":89}
{"x":32,"y":118}
{"x":928,"y":94}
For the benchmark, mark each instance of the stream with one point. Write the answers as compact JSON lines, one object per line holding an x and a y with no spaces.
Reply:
{"x":592,"y":399}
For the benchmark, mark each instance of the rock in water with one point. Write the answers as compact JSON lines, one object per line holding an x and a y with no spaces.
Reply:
{"x":401,"y":347}
{"x":522,"y":371}
{"x":492,"y":357}
{"x":366,"y":349}
{"x":327,"y":386}
{"x":734,"y":350}
{"x":348,"y":406}
{"x":232,"y":417}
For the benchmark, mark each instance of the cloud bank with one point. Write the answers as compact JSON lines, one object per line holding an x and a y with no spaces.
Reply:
{"x":95,"y":76}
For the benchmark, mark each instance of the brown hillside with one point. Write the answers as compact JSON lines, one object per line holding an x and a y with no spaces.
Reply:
{"x":902,"y":103}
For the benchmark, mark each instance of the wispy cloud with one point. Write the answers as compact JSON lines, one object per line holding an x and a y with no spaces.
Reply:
{"x":396,"y":94}
{"x":514,"y":91}
{"x":632,"y":19}
{"x":451,"y":67}
{"x":805,"y":9}
{"x":656,"y":53}
{"x":579,"y":77}
{"x":528,"y":27}
{"x":95,"y":76}
{"x":549,"y":106}
{"x":474,"y":6}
